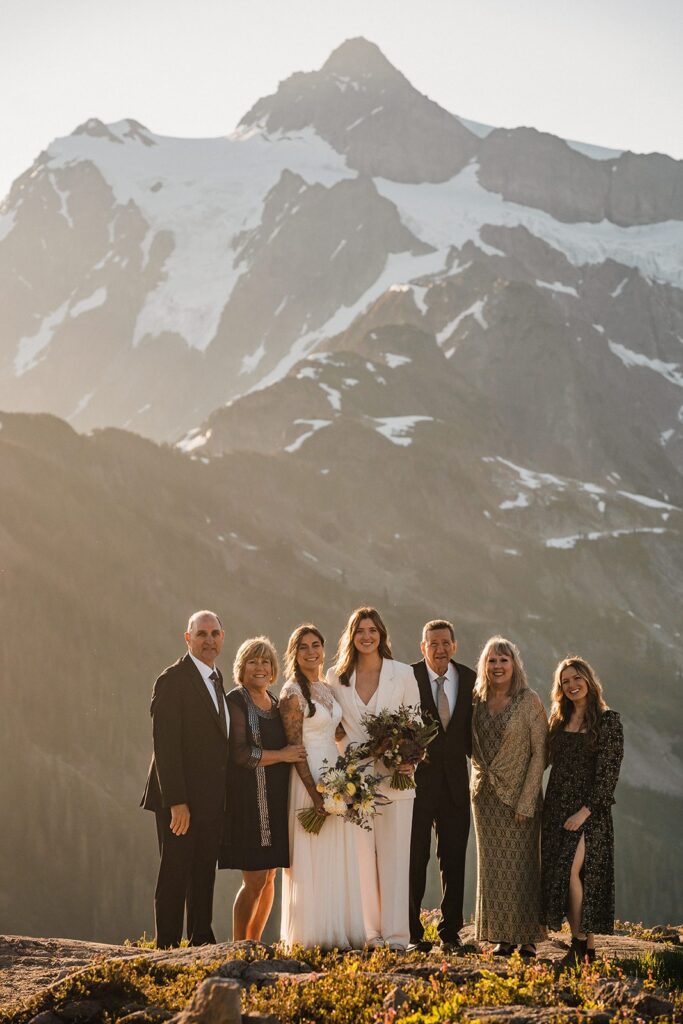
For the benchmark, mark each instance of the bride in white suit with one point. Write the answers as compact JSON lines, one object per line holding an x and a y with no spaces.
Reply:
{"x":366,"y":679}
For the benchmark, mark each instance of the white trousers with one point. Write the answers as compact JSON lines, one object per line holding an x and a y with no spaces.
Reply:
{"x":384,"y":862}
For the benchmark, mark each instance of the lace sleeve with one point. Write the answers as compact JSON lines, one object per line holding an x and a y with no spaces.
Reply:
{"x":243,"y":751}
{"x":292,"y":715}
{"x":292,"y":689}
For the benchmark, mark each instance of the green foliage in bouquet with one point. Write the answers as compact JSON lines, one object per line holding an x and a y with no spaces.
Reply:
{"x":396,"y":739}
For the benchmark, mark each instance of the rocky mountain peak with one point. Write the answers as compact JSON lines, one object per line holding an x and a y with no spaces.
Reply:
{"x":361,"y":105}
{"x":357,"y":58}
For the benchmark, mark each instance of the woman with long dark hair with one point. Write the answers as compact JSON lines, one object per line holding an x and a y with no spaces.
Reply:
{"x":321,"y":900}
{"x":366,"y":679}
{"x":509,"y":729}
{"x":586,"y":747}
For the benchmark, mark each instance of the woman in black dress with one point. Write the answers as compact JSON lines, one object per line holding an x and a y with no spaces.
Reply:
{"x":586,"y":747}
{"x":256,"y":838}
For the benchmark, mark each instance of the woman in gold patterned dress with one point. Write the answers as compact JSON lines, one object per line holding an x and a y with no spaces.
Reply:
{"x":509,"y":730}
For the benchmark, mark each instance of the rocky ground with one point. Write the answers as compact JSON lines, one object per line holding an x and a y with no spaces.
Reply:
{"x":51,"y":981}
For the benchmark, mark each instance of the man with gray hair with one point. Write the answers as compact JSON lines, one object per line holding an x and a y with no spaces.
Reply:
{"x":442,"y":797}
{"x":186,"y":785}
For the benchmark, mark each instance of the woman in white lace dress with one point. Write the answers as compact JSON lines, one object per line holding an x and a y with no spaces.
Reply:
{"x":321,"y":896}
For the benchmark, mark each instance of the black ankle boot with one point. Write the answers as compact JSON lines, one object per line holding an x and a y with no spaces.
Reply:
{"x":576,"y":954}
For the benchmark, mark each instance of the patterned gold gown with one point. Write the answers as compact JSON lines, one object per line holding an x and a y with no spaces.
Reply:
{"x":508,"y":906}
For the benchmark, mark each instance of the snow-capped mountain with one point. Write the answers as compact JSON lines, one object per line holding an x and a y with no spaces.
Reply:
{"x":148,"y":280}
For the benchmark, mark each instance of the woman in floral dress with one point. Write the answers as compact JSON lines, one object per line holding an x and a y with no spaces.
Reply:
{"x":586,"y":749}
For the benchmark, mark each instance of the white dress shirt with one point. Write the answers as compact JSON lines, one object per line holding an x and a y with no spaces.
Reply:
{"x":450,"y":686}
{"x":205,"y":671}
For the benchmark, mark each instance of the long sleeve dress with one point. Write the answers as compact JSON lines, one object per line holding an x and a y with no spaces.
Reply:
{"x":256,"y":834}
{"x":582,"y":776}
{"x":508,"y":760}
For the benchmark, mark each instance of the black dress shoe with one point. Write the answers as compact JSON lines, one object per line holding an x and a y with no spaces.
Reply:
{"x":504,"y":949}
{"x":420,"y":946}
{"x":451,"y":945}
{"x":528,"y":951}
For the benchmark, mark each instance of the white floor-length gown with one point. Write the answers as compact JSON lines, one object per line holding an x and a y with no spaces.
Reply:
{"x":321,"y":891}
{"x":383,"y":853}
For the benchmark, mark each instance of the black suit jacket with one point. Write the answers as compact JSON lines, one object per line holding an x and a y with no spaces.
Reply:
{"x":190,"y":744}
{"x":447,"y":753}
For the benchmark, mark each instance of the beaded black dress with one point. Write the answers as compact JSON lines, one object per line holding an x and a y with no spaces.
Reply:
{"x":582,"y":777}
{"x":256,"y":834}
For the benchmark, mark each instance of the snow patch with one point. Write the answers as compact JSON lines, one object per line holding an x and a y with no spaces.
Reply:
{"x":475,"y":310}
{"x":7,"y":223}
{"x":521,"y":501}
{"x":98,"y":298}
{"x":393,"y":360}
{"x":643,"y":499}
{"x":63,"y":200}
{"x":557,"y":286}
{"x":398,"y":265}
{"x":619,"y":288}
{"x":29,"y":348}
{"x":338,"y":249}
{"x":478,"y":129}
{"x":453,"y":212}
{"x":397,"y":428}
{"x":82,"y":404}
{"x":193,"y":439}
{"x":333,"y":396}
{"x":527,"y":477}
{"x":594,"y":152}
{"x":213,"y":189}
{"x":670,"y":371}
{"x":569,"y":542}
{"x":314,"y":426}
{"x":252,"y":360}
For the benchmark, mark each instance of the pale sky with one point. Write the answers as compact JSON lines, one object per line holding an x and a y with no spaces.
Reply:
{"x":606,"y":72}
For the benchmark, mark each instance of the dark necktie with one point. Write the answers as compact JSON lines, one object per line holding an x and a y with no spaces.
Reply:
{"x":442,"y":705}
{"x":216,"y":680}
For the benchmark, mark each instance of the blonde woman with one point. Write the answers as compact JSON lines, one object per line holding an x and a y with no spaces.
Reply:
{"x":321,"y":900}
{"x":509,"y":730}
{"x":586,"y":748}
{"x":366,"y":679}
{"x":256,"y":837}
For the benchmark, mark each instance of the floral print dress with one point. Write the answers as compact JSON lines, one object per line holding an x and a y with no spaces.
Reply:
{"x":582,"y":776}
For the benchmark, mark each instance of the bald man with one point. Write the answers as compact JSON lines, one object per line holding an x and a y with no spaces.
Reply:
{"x":186,"y":783}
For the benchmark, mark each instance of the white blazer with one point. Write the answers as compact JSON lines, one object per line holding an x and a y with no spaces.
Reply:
{"x":397,"y":685}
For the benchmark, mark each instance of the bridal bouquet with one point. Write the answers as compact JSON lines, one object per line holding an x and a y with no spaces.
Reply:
{"x":349,"y":790}
{"x":398,"y":738}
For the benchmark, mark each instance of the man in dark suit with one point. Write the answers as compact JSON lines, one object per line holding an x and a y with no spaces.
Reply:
{"x":442,"y":798}
{"x":186,"y":783}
